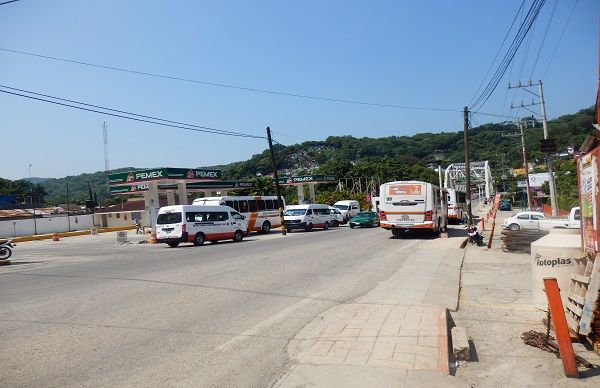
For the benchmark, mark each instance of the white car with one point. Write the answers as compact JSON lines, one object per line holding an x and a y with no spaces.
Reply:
{"x":532,"y":221}
{"x":336,"y":216}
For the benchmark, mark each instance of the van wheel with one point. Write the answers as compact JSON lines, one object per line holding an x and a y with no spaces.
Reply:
{"x":173,"y":244}
{"x":326,"y":225}
{"x":238,"y":236}
{"x":308,"y":227}
{"x":396,"y":232}
{"x":199,"y":239}
{"x":266,"y":227}
{"x":335,"y":223}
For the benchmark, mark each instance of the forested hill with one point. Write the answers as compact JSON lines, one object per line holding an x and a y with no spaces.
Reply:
{"x":389,"y":158}
{"x":347,"y":155}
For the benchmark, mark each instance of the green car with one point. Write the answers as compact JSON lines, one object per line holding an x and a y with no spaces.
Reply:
{"x":364,"y":219}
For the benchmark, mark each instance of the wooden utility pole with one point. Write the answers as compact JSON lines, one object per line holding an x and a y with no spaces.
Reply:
{"x":467,"y":166}
{"x":525,"y":165}
{"x":276,"y":177}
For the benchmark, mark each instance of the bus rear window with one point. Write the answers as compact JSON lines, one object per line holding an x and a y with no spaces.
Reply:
{"x":168,"y":218}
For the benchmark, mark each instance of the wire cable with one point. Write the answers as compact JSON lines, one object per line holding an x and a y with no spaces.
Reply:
{"x":116,"y":110}
{"x":544,"y":38}
{"x":559,"y":39}
{"x":9,"y":1}
{"x":522,"y":33}
{"x":107,"y":112}
{"x":229,"y":86}
{"x":498,"y":52}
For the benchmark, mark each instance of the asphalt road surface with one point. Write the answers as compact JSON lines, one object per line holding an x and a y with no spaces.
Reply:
{"x":89,"y":312}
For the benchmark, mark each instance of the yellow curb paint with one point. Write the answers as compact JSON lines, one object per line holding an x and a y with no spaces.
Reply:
{"x":68,"y":234}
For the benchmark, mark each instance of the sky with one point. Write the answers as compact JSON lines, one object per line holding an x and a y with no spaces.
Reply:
{"x":427,"y":54}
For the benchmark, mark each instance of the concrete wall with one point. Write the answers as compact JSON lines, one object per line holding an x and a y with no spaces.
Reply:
{"x":14,"y":228}
{"x":120,"y":218}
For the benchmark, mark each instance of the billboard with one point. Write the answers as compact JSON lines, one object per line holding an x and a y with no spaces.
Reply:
{"x":537,"y":180}
{"x":587,"y":169}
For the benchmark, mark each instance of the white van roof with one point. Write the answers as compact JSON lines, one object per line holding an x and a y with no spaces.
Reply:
{"x":307,"y":206}
{"x":346,"y":202}
{"x":181,"y":208}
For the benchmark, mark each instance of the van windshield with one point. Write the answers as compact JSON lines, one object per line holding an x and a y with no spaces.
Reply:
{"x":168,"y":218}
{"x":341,"y":207}
{"x":295,"y":212}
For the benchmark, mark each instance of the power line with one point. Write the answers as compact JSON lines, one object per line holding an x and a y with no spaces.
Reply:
{"x":559,"y":39}
{"x":123,"y":114}
{"x":6,"y":2}
{"x":520,"y":36}
{"x":544,"y":38}
{"x":229,"y":86}
{"x":119,"y":111}
{"x":498,"y":52}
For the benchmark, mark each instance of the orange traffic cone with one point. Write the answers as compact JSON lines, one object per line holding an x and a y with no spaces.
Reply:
{"x":55,"y":237}
{"x":153,"y":237}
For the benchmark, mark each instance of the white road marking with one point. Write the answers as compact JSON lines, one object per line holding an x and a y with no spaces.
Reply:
{"x":267,"y":322}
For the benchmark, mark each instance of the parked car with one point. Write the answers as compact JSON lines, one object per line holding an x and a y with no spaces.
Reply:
{"x":337,"y":218}
{"x":364,"y":219}
{"x":505,"y":205}
{"x":538,"y":221}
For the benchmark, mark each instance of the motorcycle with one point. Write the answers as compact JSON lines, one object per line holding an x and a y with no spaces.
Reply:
{"x":5,"y":249}
{"x":475,"y":237}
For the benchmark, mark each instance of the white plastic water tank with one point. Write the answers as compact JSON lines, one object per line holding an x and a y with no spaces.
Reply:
{"x":554,"y":256}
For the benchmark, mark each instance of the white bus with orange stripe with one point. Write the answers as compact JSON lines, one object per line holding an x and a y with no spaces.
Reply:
{"x":457,"y":205}
{"x":411,"y":205}
{"x":261,"y":212}
{"x":197,"y":224}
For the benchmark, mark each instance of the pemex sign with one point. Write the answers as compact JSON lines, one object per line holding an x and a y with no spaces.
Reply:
{"x":297,"y":180}
{"x":163,"y":174}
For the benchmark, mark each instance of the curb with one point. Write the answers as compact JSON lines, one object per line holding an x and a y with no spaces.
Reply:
{"x":69,"y":234}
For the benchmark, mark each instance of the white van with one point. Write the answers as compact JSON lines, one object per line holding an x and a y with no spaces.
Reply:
{"x":348,"y":208}
{"x":197,"y":224}
{"x":307,"y":217}
{"x":411,"y":205}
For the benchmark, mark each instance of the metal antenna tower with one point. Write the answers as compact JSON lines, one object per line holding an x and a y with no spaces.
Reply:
{"x":105,"y":136}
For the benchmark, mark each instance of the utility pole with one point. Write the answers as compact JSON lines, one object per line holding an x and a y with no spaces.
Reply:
{"x":467,"y":166}
{"x":551,"y":181}
{"x":526,"y":165}
{"x":32,"y":204}
{"x":276,"y":176}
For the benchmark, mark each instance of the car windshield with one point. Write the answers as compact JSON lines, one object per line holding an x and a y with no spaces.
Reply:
{"x":341,"y":207}
{"x":295,"y":212}
{"x":168,"y":218}
{"x":363,"y":214}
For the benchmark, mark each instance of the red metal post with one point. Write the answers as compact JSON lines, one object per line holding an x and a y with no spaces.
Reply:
{"x":560,"y":327}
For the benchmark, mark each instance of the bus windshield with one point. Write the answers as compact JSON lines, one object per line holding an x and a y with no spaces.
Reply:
{"x":341,"y":207}
{"x":168,"y":218}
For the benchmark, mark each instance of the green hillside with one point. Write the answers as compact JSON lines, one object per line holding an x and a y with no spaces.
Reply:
{"x":387,"y":158}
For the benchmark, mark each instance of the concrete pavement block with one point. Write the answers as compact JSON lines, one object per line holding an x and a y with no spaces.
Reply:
{"x":460,"y":344}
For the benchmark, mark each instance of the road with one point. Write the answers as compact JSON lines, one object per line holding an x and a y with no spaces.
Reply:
{"x":93,"y":313}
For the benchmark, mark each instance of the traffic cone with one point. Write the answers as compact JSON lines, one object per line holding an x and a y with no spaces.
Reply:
{"x":153,"y":237}
{"x":55,"y":237}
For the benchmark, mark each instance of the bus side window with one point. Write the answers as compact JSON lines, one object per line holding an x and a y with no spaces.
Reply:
{"x":229,"y":203}
{"x":261,"y":204}
{"x":236,"y":205}
{"x":269,"y":205}
{"x":252,"y":205}
{"x":243,"y":206}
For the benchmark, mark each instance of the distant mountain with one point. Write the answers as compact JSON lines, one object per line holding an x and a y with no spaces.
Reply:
{"x":393,"y":157}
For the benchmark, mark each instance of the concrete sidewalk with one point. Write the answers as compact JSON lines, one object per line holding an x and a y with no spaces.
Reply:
{"x":496,"y":307}
{"x":395,"y":335}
